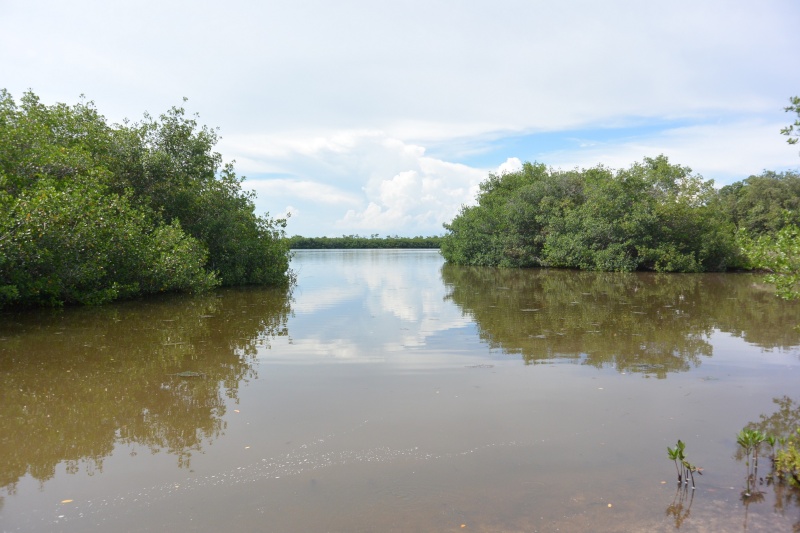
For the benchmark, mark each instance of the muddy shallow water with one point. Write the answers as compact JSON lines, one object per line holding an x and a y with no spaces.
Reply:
{"x":390,"y":392}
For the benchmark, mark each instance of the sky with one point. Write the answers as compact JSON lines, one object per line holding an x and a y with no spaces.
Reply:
{"x":365,"y":117}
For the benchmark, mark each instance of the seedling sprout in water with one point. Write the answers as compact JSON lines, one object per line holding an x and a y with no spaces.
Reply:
{"x":750,"y":440}
{"x":684,"y":468}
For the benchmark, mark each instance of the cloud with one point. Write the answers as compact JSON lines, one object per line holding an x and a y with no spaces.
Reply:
{"x":484,"y":67}
{"x":311,"y":191}
{"x":415,"y":200}
{"x":362,"y":115}
{"x":512,"y":164}
{"x":366,"y":181}
{"x":370,"y":182}
{"x":725,"y":152}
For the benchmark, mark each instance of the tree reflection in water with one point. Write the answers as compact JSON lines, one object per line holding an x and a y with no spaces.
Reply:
{"x":648,"y":323}
{"x":90,"y":379}
{"x":783,"y":422}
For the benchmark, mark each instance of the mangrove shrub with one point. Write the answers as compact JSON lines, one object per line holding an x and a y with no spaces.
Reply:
{"x":651,"y":216}
{"x":92,"y":212}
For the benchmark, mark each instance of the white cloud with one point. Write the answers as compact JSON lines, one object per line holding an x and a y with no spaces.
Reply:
{"x":368,"y":182}
{"x":373,"y":182}
{"x":335,"y":107}
{"x":414,"y":69}
{"x":415,"y":200}
{"x":724,"y":152}
{"x":309,"y":190}
{"x":512,"y":164}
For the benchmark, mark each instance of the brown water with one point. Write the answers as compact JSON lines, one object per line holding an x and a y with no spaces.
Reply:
{"x":390,"y":392}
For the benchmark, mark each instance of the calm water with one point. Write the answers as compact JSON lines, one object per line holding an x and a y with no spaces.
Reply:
{"x":390,"y":392}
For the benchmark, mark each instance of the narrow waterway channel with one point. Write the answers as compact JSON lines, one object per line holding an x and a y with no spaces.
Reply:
{"x":388,"y":391}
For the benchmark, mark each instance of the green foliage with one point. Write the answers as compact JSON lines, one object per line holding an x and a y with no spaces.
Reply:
{"x":763,"y":204}
{"x":170,"y":168}
{"x":766,"y":209}
{"x":750,"y":440}
{"x":76,"y":244}
{"x":781,"y":430}
{"x":685,"y":469}
{"x":792,"y":130}
{"x":787,"y":460}
{"x":778,"y":254}
{"x":652,"y":216}
{"x":58,"y":142}
{"x":90,"y":213}
{"x":676,"y":455}
{"x":358,"y":242}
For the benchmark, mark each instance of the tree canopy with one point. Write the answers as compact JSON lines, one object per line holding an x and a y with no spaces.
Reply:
{"x":92,"y":212}
{"x":651,"y":216}
{"x":792,"y":131}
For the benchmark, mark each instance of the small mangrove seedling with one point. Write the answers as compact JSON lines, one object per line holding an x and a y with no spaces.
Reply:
{"x":684,"y":468}
{"x":750,"y":440}
{"x":772,"y":441}
{"x":675,"y":455}
{"x":691,"y":469}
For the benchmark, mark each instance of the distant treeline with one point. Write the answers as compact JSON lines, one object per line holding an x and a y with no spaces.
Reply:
{"x":357,"y":241}
{"x":92,"y":212}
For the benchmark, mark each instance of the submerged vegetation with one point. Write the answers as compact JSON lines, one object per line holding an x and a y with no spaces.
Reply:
{"x":92,"y":212}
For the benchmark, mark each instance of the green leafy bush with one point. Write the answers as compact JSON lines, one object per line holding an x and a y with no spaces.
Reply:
{"x":651,"y":216}
{"x":90,"y":213}
{"x":787,"y":460}
{"x":75,"y":244}
{"x":778,"y":254}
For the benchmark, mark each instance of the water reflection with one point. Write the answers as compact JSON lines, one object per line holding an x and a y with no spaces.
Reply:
{"x":783,"y":422}
{"x":75,"y":383}
{"x":379,"y":407}
{"x":681,"y":507}
{"x":639,"y":322}
{"x":370,"y":306}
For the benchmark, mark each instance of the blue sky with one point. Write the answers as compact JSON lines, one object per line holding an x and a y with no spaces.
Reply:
{"x":382,"y":117}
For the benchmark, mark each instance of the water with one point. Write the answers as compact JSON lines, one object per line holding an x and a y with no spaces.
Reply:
{"x":390,"y":392}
